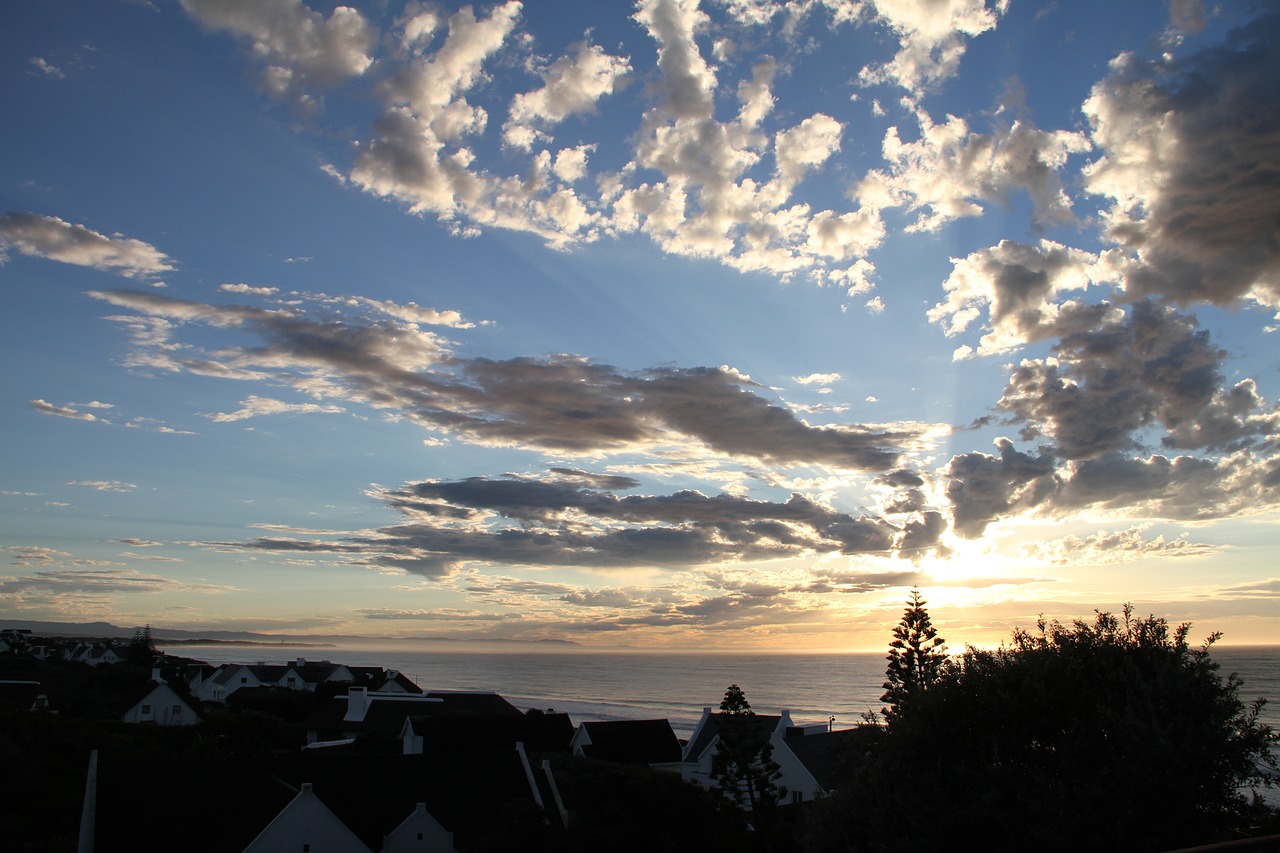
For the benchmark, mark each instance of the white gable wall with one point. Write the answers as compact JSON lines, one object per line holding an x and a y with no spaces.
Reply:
{"x":306,"y":824}
{"x":420,"y":833}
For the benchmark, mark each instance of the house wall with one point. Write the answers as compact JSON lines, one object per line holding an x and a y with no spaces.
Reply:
{"x":159,"y":707}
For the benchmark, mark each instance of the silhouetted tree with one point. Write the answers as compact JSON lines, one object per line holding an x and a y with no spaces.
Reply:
{"x":142,"y":649}
{"x":1113,"y":734}
{"x":916,"y":657}
{"x":743,"y":763}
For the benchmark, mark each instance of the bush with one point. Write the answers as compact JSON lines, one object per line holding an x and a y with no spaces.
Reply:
{"x":1114,"y":734}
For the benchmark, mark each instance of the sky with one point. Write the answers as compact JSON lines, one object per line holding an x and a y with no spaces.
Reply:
{"x":665,"y":325}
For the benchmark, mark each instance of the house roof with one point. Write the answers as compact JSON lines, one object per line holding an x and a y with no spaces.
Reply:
{"x":387,"y":712}
{"x":159,"y":692}
{"x":20,"y":694}
{"x":376,"y":678}
{"x":315,"y":673}
{"x":641,"y":742}
{"x":710,"y":730}
{"x":829,"y":755}
{"x":538,"y":732}
{"x":460,"y":704}
{"x":222,"y":804}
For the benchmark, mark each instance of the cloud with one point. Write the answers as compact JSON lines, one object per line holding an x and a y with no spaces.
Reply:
{"x":1186,"y":16}
{"x":1149,"y":367}
{"x":983,"y":488}
{"x":104,"y":485}
{"x":572,"y":84}
{"x":438,"y":615}
{"x":818,"y":378}
{"x":1016,"y":285}
{"x":255,"y":406}
{"x":560,"y":404}
{"x":297,"y":46}
{"x":950,"y":171}
{"x":50,"y":237}
{"x":1115,"y":547}
{"x":1189,"y":147}
{"x":97,"y":582}
{"x":46,"y":68}
{"x":932,"y":37}
{"x":518,"y":521}
{"x":63,"y":411}
{"x":248,"y":289}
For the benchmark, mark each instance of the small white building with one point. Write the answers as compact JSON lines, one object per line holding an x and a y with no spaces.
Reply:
{"x":307,"y":824}
{"x":160,"y":704}
{"x":420,"y":833}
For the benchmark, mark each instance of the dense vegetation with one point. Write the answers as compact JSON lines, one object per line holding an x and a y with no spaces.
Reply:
{"x":1115,"y":734}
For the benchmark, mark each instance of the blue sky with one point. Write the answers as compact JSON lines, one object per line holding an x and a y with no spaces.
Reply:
{"x":665,"y":324}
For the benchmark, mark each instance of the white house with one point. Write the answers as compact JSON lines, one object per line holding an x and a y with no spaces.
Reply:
{"x":307,"y":825}
{"x":420,"y":833}
{"x":158,"y":703}
{"x":700,"y":752}
{"x":94,"y":654}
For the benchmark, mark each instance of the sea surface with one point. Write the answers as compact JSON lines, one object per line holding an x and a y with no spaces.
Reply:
{"x":639,"y":685}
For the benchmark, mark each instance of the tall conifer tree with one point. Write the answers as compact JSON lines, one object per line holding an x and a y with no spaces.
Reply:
{"x":744,"y":764}
{"x":916,"y":657}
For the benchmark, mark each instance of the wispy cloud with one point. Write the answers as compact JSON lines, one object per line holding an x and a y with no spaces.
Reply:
{"x":53,"y":238}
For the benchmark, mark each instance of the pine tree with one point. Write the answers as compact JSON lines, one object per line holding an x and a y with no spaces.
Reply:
{"x":744,"y":764}
{"x":916,"y":657}
{"x":142,"y":649}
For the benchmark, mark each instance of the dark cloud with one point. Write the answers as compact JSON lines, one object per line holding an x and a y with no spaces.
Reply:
{"x":1191,"y":157}
{"x":849,"y":581}
{"x":613,"y":482}
{"x":525,"y":522}
{"x":1151,"y":367}
{"x":983,"y":488}
{"x":563,"y":404}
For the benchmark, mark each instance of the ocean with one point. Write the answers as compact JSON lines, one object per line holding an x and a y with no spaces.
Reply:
{"x":815,"y":688}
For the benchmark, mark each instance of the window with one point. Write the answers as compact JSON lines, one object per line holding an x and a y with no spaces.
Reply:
{"x":244,"y":679}
{"x":293,"y":682}
{"x":177,"y":710}
{"x":146,"y":710}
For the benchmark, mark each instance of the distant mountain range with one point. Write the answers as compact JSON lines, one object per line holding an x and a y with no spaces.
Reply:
{"x":106,"y":629}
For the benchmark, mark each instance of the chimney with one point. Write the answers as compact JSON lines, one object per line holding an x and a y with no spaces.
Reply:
{"x":300,"y":662}
{"x":357,"y":704}
{"x":156,"y":676}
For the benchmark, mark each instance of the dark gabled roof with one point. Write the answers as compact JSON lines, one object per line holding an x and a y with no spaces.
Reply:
{"x":212,"y":805}
{"x":461,"y":704}
{"x":133,"y":698}
{"x":268,"y":673}
{"x":405,"y":682}
{"x":764,"y":723}
{"x":538,"y":732}
{"x":314,"y":673}
{"x":384,"y":714}
{"x":226,"y":672}
{"x":375,"y":678}
{"x":374,"y":794}
{"x":20,"y":694}
{"x":222,"y":804}
{"x":642,"y":742}
{"x":830,"y":755}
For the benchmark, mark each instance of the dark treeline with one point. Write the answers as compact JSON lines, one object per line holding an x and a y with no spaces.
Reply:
{"x":1112,"y":734}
